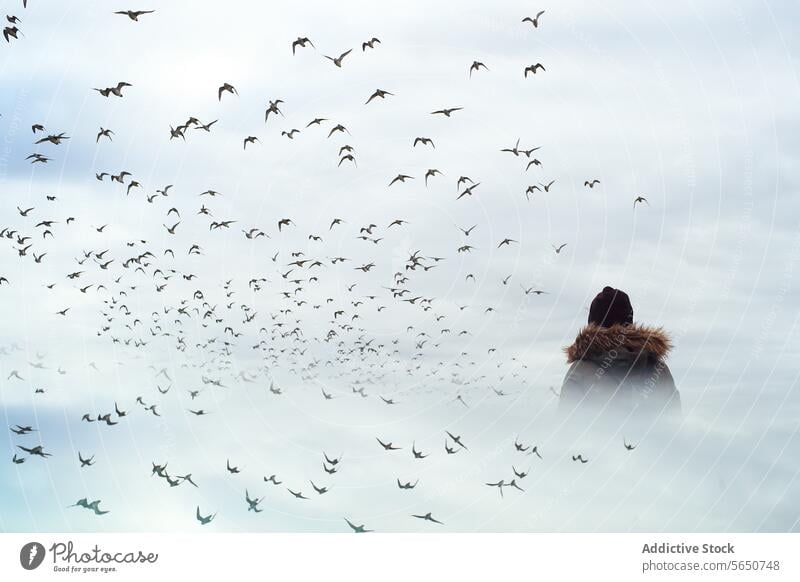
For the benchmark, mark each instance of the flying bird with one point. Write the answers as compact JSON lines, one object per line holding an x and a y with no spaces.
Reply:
{"x":357,"y":528}
{"x":250,"y":139}
{"x":204,"y":520}
{"x":535,"y":20}
{"x":252,"y":504}
{"x":134,"y":14}
{"x":115,"y":90}
{"x":387,"y":446}
{"x":93,"y":506}
{"x":338,"y":60}
{"x":226,"y":88}
{"x":400,"y":178}
{"x":428,"y":517}
{"x":532,"y":69}
{"x":379,"y":93}
{"x":369,"y":44}
{"x":476,"y":66}
{"x":301,"y":42}
{"x":456,"y":439}
{"x":447,"y":112}
{"x":104,"y":133}
{"x":37,"y":451}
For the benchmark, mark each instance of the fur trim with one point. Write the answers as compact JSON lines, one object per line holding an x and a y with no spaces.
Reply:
{"x":593,"y":341}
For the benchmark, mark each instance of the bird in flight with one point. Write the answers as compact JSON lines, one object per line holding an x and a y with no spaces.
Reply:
{"x":387,"y":446}
{"x":476,"y":66}
{"x":22,"y":430}
{"x":226,"y":88}
{"x":357,"y":528}
{"x":417,"y":454}
{"x":369,"y":44}
{"x":10,"y":32}
{"x":532,"y":69}
{"x":499,"y":484}
{"x":37,"y":451}
{"x":515,"y":150}
{"x":400,"y":178}
{"x":252,"y":504}
{"x":204,"y":520}
{"x":297,"y":494}
{"x":273,"y":108}
{"x":272,"y":479}
{"x":187,"y":477}
{"x":547,"y":186}
{"x":519,"y":474}
{"x":467,"y":231}
{"x":93,"y":506}
{"x":250,"y":139}
{"x":432,"y":172}
{"x":447,"y":112}
{"x":379,"y":93}
{"x":456,"y":439}
{"x":338,"y":60}
{"x":319,"y":490}
{"x":428,"y":517}
{"x":468,"y":191}
{"x":115,"y":90}
{"x":535,"y":20}
{"x":301,"y":41}
{"x":104,"y":133}
{"x":134,"y":14}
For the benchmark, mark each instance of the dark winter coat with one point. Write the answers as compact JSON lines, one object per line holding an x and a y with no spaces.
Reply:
{"x":619,"y":368}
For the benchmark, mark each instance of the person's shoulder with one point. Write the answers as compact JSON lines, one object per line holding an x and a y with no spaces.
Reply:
{"x":580,"y":369}
{"x":593,"y":341}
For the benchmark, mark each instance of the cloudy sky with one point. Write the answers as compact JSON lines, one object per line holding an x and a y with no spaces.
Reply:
{"x":692,"y":106}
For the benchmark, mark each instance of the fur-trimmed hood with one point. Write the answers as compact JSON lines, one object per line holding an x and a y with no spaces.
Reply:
{"x":594,"y":341}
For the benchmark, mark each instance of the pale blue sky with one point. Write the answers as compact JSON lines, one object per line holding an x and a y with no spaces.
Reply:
{"x":693,"y":106}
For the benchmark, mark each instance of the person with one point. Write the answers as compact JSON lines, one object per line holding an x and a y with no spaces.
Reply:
{"x":617,"y":365}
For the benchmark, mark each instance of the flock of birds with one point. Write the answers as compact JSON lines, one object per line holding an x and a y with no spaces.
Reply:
{"x":203,"y":321}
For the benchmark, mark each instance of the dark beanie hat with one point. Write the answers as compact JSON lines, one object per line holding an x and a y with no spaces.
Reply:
{"x":610,"y":307}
